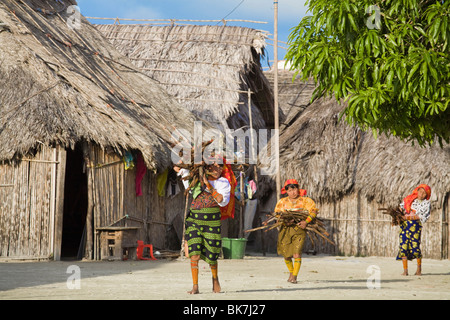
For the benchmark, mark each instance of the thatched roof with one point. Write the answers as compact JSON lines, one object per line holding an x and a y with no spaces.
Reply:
{"x":60,"y":85}
{"x":294,"y":95}
{"x":332,"y":159}
{"x":207,"y":68}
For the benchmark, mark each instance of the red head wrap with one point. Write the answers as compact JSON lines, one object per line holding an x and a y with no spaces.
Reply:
{"x":227,"y":173}
{"x":408,"y":200}
{"x":292,"y":181}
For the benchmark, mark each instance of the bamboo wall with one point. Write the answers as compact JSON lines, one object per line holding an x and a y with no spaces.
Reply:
{"x":27,"y":206}
{"x":31,"y":214}
{"x":358,"y":228}
{"x":113,"y":201}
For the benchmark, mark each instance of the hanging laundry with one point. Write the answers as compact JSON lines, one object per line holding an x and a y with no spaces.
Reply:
{"x":161,"y":183}
{"x":141,"y":169}
{"x":128,"y":160}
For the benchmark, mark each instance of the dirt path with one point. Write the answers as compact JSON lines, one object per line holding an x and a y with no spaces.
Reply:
{"x":252,"y":278}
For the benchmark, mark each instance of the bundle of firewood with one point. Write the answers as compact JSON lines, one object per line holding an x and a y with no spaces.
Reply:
{"x":396,"y":214}
{"x":196,"y":171}
{"x":292,"y":217}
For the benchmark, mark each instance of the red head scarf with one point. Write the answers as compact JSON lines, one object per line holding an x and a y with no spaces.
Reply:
{"x":227,"y":173}
{"x":408,"y":200}
{"x":292,"y":181}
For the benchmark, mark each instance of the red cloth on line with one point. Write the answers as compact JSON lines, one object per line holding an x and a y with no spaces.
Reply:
{"x":141,"y":169}
{"x":227,"y":173}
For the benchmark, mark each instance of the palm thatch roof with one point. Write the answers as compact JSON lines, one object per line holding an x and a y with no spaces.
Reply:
{"x":207,"y":68}
{"x":60,"y":85}
{"x":294,"y":95}
{"x":332,"y":159}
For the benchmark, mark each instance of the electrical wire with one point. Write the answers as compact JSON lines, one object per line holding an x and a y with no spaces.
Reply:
{"x":232,"y":11}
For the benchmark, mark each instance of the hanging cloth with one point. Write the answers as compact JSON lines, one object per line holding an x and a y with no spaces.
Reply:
{"x":141,"y":169}
{"x":227,"y":173}
{"x":161,"y":183}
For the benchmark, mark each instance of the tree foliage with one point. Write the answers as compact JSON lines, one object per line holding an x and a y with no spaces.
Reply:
{"x":389,"y":60}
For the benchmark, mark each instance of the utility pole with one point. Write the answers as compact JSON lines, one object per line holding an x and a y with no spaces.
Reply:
{"x":275,"y":96}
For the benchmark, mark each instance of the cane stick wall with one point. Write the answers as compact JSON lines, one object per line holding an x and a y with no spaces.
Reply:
{"x":112,"y":191}
{"x":32,"y":197}
{"x":27,"y":206}
{"x":359,"y":229}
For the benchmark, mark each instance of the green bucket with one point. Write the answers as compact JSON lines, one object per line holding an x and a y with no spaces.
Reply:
{"x":233,"y":248}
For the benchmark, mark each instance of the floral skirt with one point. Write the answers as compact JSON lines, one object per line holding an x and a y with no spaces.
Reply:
{"x":409,"y":238}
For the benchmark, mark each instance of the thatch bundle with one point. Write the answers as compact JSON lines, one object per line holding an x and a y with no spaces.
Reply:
{"x":314,"y":229}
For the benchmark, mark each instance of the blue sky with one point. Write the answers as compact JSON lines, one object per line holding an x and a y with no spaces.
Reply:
{"x":290,"y":12}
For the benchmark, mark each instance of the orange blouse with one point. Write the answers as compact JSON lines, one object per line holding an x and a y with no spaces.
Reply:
{"x":299,"y":203}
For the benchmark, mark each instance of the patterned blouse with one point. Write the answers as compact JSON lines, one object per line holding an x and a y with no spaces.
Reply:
{"x":422,"y":208}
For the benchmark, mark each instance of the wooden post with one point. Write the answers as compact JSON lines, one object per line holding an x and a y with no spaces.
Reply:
{"x":90,"y":207}
{"x":183,"y":242}
{"x":59,"y":204}
{"x":241,"y":218}
{"x":53,"y":199}
{"x":275,"y":96}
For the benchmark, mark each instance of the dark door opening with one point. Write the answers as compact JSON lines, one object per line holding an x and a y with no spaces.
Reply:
{"x":75,"y":206}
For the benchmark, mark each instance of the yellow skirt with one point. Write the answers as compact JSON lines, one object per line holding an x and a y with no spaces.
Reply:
{"x":290,"y":241}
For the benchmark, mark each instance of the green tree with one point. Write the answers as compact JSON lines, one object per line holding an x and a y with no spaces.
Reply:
{"x":389,"y":60}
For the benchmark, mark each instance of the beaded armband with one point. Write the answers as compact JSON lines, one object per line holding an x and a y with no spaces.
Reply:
{"x":215,"y":194}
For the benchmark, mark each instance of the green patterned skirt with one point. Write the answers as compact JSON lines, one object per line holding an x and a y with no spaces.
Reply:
{"x":203,"y":234}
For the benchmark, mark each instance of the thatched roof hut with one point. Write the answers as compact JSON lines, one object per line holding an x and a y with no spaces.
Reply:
{"x":350,"y":174}
{"x":209,"y":69}
{"x":71,"y":107}
{"x":61,"y":85}
{"x":294,"y":95}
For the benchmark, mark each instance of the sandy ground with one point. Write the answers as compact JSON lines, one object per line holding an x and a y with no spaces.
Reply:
{"x":253,"y":278}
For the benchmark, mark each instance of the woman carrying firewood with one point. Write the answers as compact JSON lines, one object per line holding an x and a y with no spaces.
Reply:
{"x":416,"y":208}
{"x":203,"y":224}
{"x":291,"y":237}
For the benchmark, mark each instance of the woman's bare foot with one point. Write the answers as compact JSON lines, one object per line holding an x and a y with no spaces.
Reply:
{"x":290,"y":277}
{"x":194,"y":289}
{"x":293,"y":279}
{"x":216,"y":285}
{"x":405,"y":272}
{"x":419,"y":271}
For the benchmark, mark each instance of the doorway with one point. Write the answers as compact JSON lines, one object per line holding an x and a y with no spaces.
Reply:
{"x":75,"y":206}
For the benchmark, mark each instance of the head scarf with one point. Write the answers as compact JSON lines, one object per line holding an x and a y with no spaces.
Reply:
{"x":292,"y":181}
{"x":408,"y":200}
{"x":227,"y":173}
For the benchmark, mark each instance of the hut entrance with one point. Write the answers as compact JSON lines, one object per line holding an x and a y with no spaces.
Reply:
{"x":75,"y":205}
